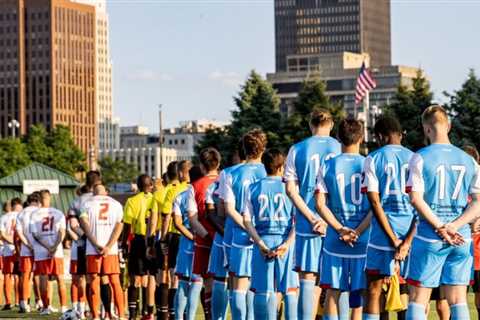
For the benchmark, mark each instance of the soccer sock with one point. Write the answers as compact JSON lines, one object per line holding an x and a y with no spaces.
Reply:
{"x":207,"y":304}
{"x":344,"y":306}
{"x":161,"y":301}
{"x":219,"y":300}
{"x":265,"y":306}
{"x":106,"y":296}
{"x":384,"y":315}
{"x":250,"y":313}
{"x":132,"y":301}
{"x":416,"y":311}
{"x":118,"y":294}
{"x":238,"y":307}
{"x":74,"y":293}
{"x":8,"y":288}
{"x":171,"y":302}
{"x":62,"y":292}
{"x":181,"y":299}
{"x":95,"y":293}
{"x":144,"y":301}
{"x":368,"y":316}
{"x":194,"y":297}
{"x":291,"y":305}
{"x":305,"y":300}
{"x":402,"y":315}
{"x":460,"y":311}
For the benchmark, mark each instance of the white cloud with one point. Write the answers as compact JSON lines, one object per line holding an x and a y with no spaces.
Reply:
{"x":230,"y":79}
{"x":149,"y":75}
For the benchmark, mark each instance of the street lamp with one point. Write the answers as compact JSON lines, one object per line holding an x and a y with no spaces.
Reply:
{"x":13,"y":124}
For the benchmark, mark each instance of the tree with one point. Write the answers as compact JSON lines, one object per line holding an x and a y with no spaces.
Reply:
{"x":13,"y":156}
{"x":408,"y":107}
{"x":36,"y":145}
{"x":117,"y":171}
{"x":464,"y":110}
{"x":311,"y":96}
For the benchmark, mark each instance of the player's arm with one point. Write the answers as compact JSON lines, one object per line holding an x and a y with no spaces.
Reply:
{"x":404,"y":248}
{"x":152,"y":223}
{"x":377,"y":209}
{"x":72,"y":234}
{"x":364,"y":224}
{"x":325,"y":212}
{"x":192,"y":211}
{"x":117,"y":231}
{"x":229,"y":200}
{"x":167,"y":213}
{"x":214,"y":217}
{"x":423,"y":209}
{"x":37,"y":236}
{"x":5,"y":236}
{"x":127,"y":224}
{"x":470,"y":214}
{"x":177,"y":220}
{"x":21,"y":235}
{"x":249,"y":227}
{"x":85,"y":224}
{"x":60,"y":236}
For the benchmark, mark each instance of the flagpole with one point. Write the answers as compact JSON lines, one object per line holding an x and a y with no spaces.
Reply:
{"x":366,"y":102}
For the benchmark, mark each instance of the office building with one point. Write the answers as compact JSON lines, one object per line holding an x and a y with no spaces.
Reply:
{"x":314,"y":27}
{"x":47,"y":67}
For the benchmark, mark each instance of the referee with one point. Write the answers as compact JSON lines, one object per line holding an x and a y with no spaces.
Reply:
{"x":138,"y":210}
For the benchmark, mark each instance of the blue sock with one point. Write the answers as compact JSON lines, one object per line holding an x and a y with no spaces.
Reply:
{"x":265,"y":306}
{"x":194,"y":297}
{"x":219,"y":300}
{"x":369,"y":316}
{"x":239,"y":305}
{"x":305,"y":300}
{"x":181,"y":299}
{"x":460,"y":311}
{"x":330,"y":317}
{"x":291,"y":306}
{"x":344,"y":306}
{"x":250,"y":312}
{"x":416,"y":311}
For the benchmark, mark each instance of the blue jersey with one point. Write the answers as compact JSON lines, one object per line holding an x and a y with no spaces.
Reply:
{"x":235,"y":191}
{"x":269,"y":207}
{"x":386,"y":173}
{"x":304,"y":161}
{"x":446,"y":176}
{"x":224,"y":176}
{"x":181,"y":206}
{"x":341,"y":182}
{"x":212,"y":197}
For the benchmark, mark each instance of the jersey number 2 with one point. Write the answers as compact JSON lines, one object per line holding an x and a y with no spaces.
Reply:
{"x":103,"y":215}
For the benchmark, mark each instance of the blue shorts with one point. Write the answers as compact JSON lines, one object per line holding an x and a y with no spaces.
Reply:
{"x":343,"y":273}
{"x":216,"y":264}
{"x":382,"y":262}
{"x":437,"y":263}
{"x":184,"y":264}
{"x":275,"y":275}
{"x":240,"y":261}
{"x":307,"y":253}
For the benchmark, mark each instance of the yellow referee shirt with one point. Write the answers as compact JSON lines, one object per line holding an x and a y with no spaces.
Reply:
{"x":137,"y":211}
{"x":171,"y":192}
{"x":159,"y":196}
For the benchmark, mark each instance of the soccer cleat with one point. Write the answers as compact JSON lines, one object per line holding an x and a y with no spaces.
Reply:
{"x":45,"y":312}
{"x":52,"y":309}
{"x":63,"y":309}
{"x":7,"y":307}
{"x":39,"y":305}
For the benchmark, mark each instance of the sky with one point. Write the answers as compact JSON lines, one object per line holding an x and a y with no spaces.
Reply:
{"x":192,"y":55}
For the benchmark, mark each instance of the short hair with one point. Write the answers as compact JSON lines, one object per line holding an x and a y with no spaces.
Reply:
{"x":350,"y":131}
{"x":16,"y":201}
{"x":210,"y":158}
{"x":144,"y":181}
{"x":254,"y":143}
{"x":195,"y":173}
{"x":472,"y":151}
{"x":434,"y":114}
{"x":320,"y":117}
{"x":7,"y":206}
{"x":92,"y":178}
{"x":273,"y":159}
{"x":99,"y":188}
{"x":34,"y":198}
{"x":241,"y":149}
{"x":182,"y":165}
{"x":44,"y":192}
{"x":165,"y":177}
{"x":172,"y":171}
{"x":387,"y":125}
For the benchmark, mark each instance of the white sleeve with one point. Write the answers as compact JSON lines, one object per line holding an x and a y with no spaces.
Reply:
{"x":228,"y":195}
{"x":62,"y":223}
{"x":290,"y":173}
{"x":191,"y":203}
{"x":247,"y":207}
{"x":321,"y":186}
{"x":176,"y":206}
{"x":221,"y":184}
{"x":19,"y":224}
{"x":119,"y":210}
{"x":475,"y":186}
{"x":32,"y":225}
{"x":415,"y":178}
{"x":209,"y":196}
{"x":370,"y":182}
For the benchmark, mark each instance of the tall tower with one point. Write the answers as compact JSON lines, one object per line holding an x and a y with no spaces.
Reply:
{"x":47,"y":67}
{"x":312,"y":27}
{"x":108,"y":127}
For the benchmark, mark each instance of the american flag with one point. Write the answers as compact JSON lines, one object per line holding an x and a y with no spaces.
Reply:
{"x":365,"y":83}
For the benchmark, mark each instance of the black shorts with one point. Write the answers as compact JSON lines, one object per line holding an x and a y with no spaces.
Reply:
{"x":435,"y":296}
{"x":138,"y":264}
{"x":173,"y":242}
{"x":476,"y":281}
{"x":81,"y":259}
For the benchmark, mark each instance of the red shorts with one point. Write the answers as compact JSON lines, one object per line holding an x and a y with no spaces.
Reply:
{"x":201,"y":256}
{"x":103,"y":264}
{"x":9,"y":264}
{"x":1,"y":262}
{"x":25,"y":264}
{"x":73,"y":266}
{"x":52,"y":266}
{"x":476,"y":250}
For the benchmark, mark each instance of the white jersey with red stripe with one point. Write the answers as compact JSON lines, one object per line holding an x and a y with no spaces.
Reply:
{"x":103,"y":213}
{"x":7,"y":225}
{"x":46,"y":224}
{"x":23,"y":226}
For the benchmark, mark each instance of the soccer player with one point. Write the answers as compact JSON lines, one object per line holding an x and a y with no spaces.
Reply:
{"x":48,"y":229}
{"x":204,"y":230}
{"x":347,"y":212}
{"x":7,"y":232}
{"x":393,"y":225}
{"x":304,"y":161}
{"x":22,"y":228}
{"x":136,"y":218}
{"x":101,"y":220}
{"x":240,"y":259}
{"x":441,"y":179}
{"x":269,"y":219}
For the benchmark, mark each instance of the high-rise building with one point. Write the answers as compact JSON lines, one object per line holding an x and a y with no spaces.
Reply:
{"x":47,"y":67}
{"x":108,"y":126}
{"x":313,"y":27}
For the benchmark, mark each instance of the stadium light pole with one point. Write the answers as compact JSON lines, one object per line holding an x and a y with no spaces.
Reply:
{"x":14,"y":124}
{"x":160,"y":137}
